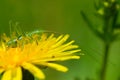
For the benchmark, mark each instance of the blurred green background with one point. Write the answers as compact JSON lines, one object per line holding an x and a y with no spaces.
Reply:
{"x":63,"y":16}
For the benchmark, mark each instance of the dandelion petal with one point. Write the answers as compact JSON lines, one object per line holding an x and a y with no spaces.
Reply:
{"x":57,"y":67}
{"x":18,"y":75}
{"x":34,"y":70}
{"x":1,"y":70}
{"x":7,"y":75}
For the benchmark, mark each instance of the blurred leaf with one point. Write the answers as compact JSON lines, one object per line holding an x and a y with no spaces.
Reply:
{"x":115,"y":18}
{"x":117,"y":26}
{"x":90,"y":25}
{"x":95,"y":5}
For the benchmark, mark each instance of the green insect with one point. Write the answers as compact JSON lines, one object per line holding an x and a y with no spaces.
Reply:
{"x":23,"y":38}
{"x":13,"y":42}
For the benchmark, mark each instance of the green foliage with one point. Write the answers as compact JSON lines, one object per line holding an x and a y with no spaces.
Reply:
{"x":107,"y":11}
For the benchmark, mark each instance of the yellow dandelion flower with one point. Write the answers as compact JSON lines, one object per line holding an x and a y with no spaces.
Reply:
{"x":45,"y":52}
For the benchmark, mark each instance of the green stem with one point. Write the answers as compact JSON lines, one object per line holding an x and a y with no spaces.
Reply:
{"x":107,"y":42}
{"x":105,"y":61}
